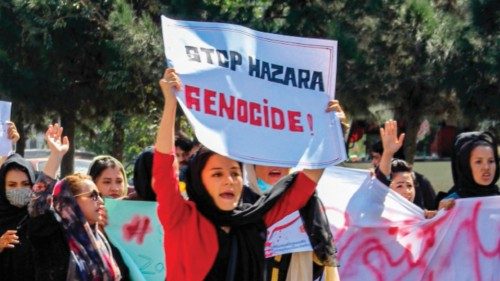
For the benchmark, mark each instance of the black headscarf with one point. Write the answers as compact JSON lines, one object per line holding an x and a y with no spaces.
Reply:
{"x":246,"y":221}
{"x":143,"y":169}
{"x":16,"y":263}
{"x":11,"y":216}
{"x":464,"y":182}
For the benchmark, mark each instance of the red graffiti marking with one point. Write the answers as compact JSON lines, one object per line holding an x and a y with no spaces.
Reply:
{"x":398,"y":252}
{"x":281,"y":227}
{"x":137,"y":229}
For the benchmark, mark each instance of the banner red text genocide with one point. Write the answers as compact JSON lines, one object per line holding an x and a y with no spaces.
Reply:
{"x":256,"y":114}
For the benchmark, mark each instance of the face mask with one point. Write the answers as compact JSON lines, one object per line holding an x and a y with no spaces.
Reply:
{"x":263,"y":186}
{"x":19,"y":197}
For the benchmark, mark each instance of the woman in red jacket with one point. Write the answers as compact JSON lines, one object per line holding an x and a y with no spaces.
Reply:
{"x":213,"y":236}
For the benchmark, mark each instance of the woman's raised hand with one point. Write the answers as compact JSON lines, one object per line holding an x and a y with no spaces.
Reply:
{"x":389,"y":136}
{"x":57,"y":144}
{"x":168,"y":83}
{"x":12,"y":133}
{"x":334,"y":105}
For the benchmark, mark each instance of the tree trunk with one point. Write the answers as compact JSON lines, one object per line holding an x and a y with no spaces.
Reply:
{"x":19,"y":121}
{"x":68,"y":120}
{"x":118,"y":121}
{"x":410,"y":143}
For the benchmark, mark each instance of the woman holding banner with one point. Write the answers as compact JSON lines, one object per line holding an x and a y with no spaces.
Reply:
{"x":474,"y":165}
{"x":213,"y":236}
{"x":319,"y":264}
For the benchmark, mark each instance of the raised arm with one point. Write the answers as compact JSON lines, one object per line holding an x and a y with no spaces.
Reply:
{"x":391,"y":143}
{"x":169,"y":84}
{"x":171,"y":205}
{"x":58,"y":147}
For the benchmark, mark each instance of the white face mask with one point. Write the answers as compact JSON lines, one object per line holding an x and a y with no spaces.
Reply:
{"x":19,"y":197}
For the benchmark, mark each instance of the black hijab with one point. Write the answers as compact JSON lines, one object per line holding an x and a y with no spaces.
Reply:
{"x":464,"y":182}
{"x":11,"y":215}
{"x":246,"y":221}
{"x":143,"y":169}
{"x":16,"y":263}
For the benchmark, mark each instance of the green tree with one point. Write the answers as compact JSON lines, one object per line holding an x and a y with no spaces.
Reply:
{"x":474,"y":66}
{"x":396,"y":56}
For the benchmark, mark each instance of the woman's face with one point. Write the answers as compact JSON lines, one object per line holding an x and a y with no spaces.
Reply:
{"x":16,"y":179}
{"x":482,"y":164}
{"x":223,"y":180}
{"x":89,"y":201}
{"x":111,"y":182}
{"x":270,"y":174}
{"x":403,"y":184}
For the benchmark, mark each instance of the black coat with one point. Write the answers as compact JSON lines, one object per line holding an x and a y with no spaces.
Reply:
{"x":17,"y":263}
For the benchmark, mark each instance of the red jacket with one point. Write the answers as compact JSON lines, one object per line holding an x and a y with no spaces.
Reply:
{"x":190,"y":240}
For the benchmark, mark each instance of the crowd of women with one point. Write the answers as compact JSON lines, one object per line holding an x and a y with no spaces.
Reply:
{"x":55,"y":230}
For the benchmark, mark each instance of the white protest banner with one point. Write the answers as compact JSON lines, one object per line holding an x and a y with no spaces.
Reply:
{"x":5,"y":143}
{"x":257,"y":97}
{"x":133,"y":227}
{"x":286,"y":236}
{"x":382,"y":236}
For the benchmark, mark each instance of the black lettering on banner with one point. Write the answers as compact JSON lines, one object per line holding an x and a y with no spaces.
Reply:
{"x":253,"y":68}
{"x":223,"y":59}
{"x":208,"y":54}
{"x":277,"y":71}
{"x":192,"y":53}
{"x":235,"y":59}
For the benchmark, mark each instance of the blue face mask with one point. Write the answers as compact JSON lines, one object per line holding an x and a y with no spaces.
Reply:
{"x":263,"y":186}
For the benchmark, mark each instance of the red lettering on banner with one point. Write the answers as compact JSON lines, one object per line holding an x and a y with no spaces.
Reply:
{"x":209,"y":101}
{"x":242,"y":112}
{"x":278,"y":118}
{"x":251,"y":112}
{"x":364,"y":247}
{"x":227,"y":108}
{"x":294,"y":121}
{"x":192,"y":97}
{"x":255,"y":119}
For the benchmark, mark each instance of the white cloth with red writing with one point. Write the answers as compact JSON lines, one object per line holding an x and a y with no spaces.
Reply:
{"x":382,"y":236}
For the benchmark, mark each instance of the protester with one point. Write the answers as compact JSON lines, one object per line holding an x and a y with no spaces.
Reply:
{"x":109,"y":176}
{"x":318,"y":263}
{"x":183,"y":146}
{"x":16,"y":179}
{"x":261,"y":179}
{"x":396,"y":173}
{"x":17,"y":176}
{"x":67,"y":244}
{"x":425,"y":195}
{"x":143,"y":173}
{"x":195,"y":146}
{"x":213,"y":236}
{"x":474,"y":166}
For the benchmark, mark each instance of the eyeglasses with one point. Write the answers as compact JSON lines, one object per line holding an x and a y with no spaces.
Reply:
{"x":94,"y":195}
